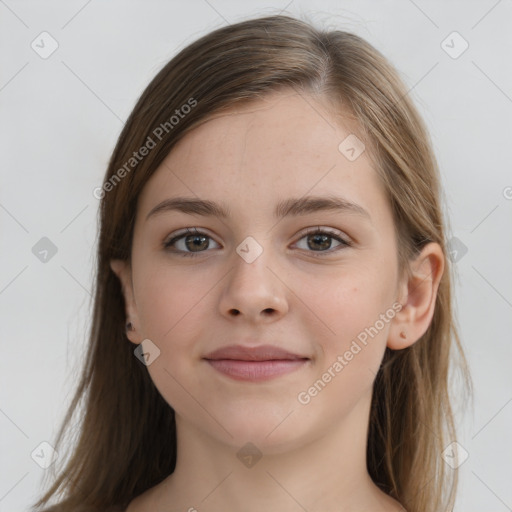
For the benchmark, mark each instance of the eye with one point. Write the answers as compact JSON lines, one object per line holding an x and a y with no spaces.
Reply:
{"x":192,"y":242}
{"x":189,"y":243}
{"x":320,"y":241}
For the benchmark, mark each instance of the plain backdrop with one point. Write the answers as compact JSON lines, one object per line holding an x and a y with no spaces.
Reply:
{"x":61,"y":114}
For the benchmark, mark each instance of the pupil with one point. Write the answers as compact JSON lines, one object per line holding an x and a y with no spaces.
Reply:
{"x":322,"y":238}
{"x":195,"y":243}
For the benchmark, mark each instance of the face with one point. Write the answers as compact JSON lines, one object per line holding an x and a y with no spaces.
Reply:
{"x":318,"y":283}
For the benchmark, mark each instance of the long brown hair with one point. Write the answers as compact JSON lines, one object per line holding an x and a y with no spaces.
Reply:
{"x":126,"y":440}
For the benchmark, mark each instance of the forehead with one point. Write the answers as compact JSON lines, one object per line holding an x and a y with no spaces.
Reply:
{"x":286,"y":144}
{"x":289,"y":124}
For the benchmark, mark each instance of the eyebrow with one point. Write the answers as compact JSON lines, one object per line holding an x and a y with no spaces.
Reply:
{"x":285,"y":208}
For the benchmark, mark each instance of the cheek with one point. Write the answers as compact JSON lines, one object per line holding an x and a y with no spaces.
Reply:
{"x":347,"y":301}
{"x":169,"y":302}
{"x":353,"y":316}
{"x":360,"y":315}
{"x":172,"y":308}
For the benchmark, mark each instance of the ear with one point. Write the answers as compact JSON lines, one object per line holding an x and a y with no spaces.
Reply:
{"x":417,"y":294}
{"x":123,"y":271}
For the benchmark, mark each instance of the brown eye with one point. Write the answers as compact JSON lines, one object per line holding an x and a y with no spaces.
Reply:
{"x":189,"y":242}
{"x":320,"y":240}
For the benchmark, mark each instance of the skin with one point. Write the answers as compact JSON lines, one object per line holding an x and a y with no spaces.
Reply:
{"x":314,"y":455}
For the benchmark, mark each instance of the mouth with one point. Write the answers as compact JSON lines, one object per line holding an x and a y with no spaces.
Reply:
{"x":254,"y":364}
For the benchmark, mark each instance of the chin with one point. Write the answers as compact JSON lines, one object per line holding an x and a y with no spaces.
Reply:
{"x":273,"y":429}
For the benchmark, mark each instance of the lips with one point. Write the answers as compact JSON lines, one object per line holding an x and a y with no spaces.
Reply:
{"x":258,"y":363}
{"x":259,"y":353}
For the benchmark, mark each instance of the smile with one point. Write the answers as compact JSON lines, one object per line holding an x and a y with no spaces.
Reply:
{"x":256,"y":370}
{"x":254,"y":364}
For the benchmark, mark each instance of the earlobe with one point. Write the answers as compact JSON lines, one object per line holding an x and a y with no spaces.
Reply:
{"x":122,"y":270}
{"x":418,"y":298}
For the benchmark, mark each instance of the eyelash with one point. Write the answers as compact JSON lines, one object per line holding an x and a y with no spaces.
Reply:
{"x":314,"y":231}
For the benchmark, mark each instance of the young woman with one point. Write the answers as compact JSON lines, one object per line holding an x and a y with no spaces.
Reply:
{"x":273,"y":327}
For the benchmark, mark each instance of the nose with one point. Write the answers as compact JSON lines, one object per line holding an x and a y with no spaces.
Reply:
{"x":254,"y":291}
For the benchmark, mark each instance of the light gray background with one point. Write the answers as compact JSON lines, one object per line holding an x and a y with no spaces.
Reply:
{"x":60,"y":118}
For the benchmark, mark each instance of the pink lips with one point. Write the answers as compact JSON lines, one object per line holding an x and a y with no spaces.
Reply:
{"x":254,"y":363}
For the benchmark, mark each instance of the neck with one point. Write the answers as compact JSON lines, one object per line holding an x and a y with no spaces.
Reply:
{"x":326,"y":473}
